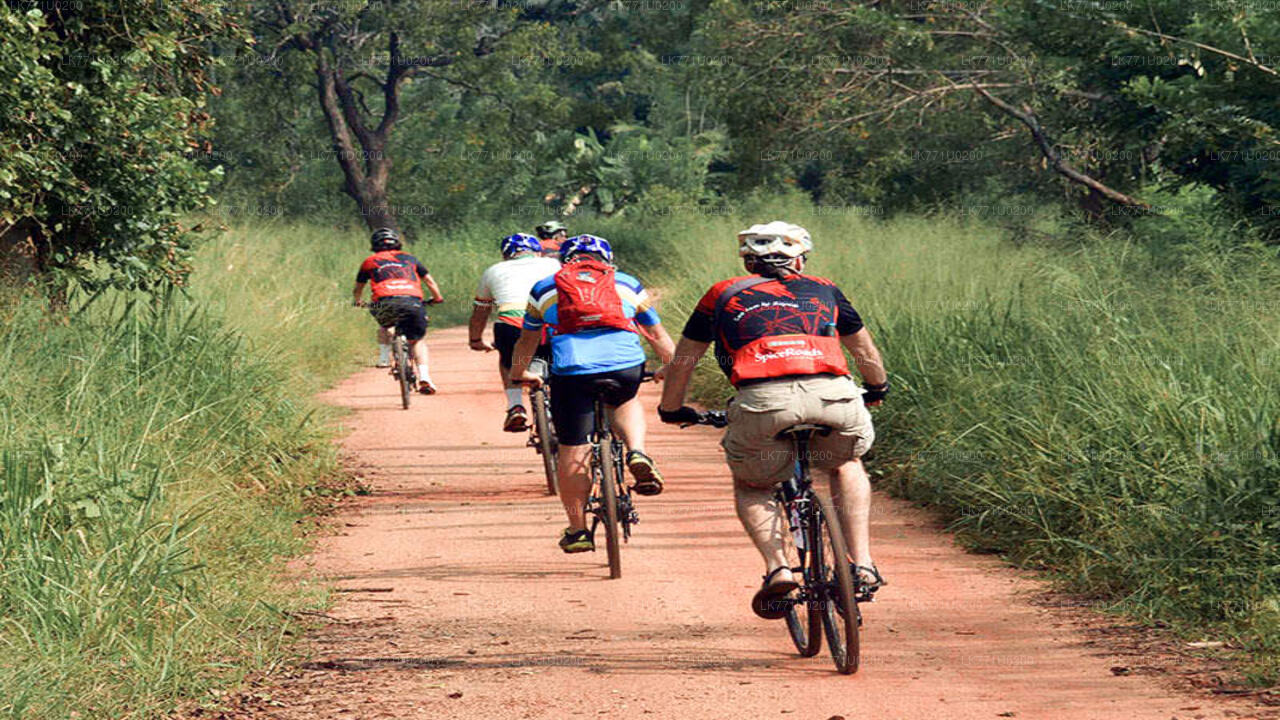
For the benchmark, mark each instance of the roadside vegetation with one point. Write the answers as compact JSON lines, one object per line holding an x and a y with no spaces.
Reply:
{"x":158,"y":459}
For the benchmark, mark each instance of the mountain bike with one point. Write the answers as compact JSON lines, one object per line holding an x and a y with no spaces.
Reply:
{"x":610,"y":502}
{"x":402,"y":368}
{"x":542,"y":434}
{"x":818,"y":558}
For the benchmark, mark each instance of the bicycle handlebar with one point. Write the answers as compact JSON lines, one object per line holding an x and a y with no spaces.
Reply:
{"x":714,"y":418}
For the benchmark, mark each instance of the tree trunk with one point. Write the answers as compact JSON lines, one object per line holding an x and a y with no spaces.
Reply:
{"x":360,"y":153}
{"x":19,"y":258}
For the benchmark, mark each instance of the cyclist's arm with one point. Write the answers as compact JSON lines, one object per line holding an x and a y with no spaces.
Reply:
{"x":866,"y":356}
{"x":357,"y":293}
{"x":524,"y":351}
{"x":430,"y":282}
{"x":679,"y":371}
{"x":479,"y":318}
{"x":660,"y":340}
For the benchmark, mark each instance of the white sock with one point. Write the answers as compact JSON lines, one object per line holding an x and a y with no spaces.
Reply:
{"x":423,"y":374}
{"x":515,"y":396}
{"x":384,"y":353}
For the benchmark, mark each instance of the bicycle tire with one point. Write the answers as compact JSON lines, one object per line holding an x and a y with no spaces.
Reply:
{"x":402,"y":371}
{"x":805,"y":634}
{"x":609,"y":499}
{"x":839,"y":609}
{"x":618,"y":451}
{"x":546,"y":439}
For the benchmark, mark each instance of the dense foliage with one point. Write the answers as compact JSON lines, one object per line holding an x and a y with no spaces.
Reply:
{"x":1115,"y":109}
{"x":102,"y":125}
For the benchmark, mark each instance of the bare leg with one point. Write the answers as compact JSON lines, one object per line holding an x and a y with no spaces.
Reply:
{"x":418,"y":351}
{"x":575,"y":483}
{"x":851,"y":491}
{"x":761,"y":516}
{"x":384,"y":336}
{"x":629,"y":421}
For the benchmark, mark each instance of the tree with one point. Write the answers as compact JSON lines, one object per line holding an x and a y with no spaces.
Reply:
{"x":101,"y":125}
{"x":363,"y":53}
{"x":1114,"y":98}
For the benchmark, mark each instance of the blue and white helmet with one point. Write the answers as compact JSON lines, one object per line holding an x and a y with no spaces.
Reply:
{"x":513,"y":245}
{"x":586,"y":244}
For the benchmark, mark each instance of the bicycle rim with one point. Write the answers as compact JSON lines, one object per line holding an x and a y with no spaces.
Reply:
{"x":609,"y":499}
{"x":546,"y":444}
{"x":804,"y":618}
{"x":403,"y":374}
{"x":807,"y":643}
{"x":839,"y":611}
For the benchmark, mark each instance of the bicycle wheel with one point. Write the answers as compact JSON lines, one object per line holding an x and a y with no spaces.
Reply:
{"x":402,"y":371}
{"x":626,"y":509}
{"x":806,"y":632}
{"x":831,"y":566}
{"x":609,"y":499}
{"x":546,"y":438}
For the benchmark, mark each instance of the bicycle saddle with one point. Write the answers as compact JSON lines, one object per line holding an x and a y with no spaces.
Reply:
{"x":605,"y":386}
{"x":803,"y":430}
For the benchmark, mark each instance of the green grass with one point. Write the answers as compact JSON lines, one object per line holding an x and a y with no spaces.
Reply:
{"x":156,"y":459}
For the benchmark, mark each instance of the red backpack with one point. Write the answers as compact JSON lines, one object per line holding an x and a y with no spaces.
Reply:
{"x":587,"y":298}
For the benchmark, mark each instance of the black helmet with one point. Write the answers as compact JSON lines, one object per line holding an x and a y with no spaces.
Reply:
{"x":547,"y":230}
{"x":384,"y":239}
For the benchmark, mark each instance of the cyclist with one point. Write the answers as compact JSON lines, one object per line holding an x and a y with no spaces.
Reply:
{"x":397,"y":278}
{"x":592,"y":312}
{"x":778,"y":335}
{"x":506,"y":285}
{"x":552,"y":234}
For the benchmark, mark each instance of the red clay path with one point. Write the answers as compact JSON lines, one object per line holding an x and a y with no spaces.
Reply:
{"x":455,"y":602}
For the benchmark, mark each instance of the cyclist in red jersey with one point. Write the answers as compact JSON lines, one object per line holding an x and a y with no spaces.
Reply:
{"x":780,"y":337}
{"x":396,"y":280}
{"x":551,"y":233}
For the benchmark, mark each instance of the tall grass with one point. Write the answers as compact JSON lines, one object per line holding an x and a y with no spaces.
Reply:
{"x":155,"y":459}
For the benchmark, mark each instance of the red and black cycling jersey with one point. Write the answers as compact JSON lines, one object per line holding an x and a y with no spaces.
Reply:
{"x":393,"y":273}
{"x":779,"y":327}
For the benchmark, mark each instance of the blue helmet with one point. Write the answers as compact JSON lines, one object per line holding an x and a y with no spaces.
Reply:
{"x":586,"y":243}
{"x":513,"y":245}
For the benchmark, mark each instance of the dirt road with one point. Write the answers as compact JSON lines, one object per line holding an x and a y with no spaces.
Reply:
{"x":456,"y":603}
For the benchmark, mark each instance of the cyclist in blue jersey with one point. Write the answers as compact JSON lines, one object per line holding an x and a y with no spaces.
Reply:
{"x":593,"y":314}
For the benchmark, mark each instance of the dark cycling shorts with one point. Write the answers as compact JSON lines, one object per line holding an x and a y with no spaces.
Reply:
{"x":504,"y":339}
{"x":572,"y":400}
{"x":406,"y":313}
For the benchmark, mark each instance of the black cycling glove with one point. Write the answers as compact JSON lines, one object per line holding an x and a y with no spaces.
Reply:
{"x":874,"y":393}
{"x":685,"y":415}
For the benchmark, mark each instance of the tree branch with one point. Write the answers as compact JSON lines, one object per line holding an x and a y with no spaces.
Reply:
{"x":1027,"y":117}
{"x":338,"y":129}
{"x":1202,"y":46}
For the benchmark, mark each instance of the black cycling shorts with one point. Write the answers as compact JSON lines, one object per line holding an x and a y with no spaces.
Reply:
{"x":573,"y":400}
{"x":504,"y":339}
{"x":406,"y":313}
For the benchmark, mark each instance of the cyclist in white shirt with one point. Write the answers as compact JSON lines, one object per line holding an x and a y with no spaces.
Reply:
{"x":505,"y":287}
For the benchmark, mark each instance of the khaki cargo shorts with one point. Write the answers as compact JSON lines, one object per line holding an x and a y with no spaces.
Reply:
{"x":760,"y":411}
